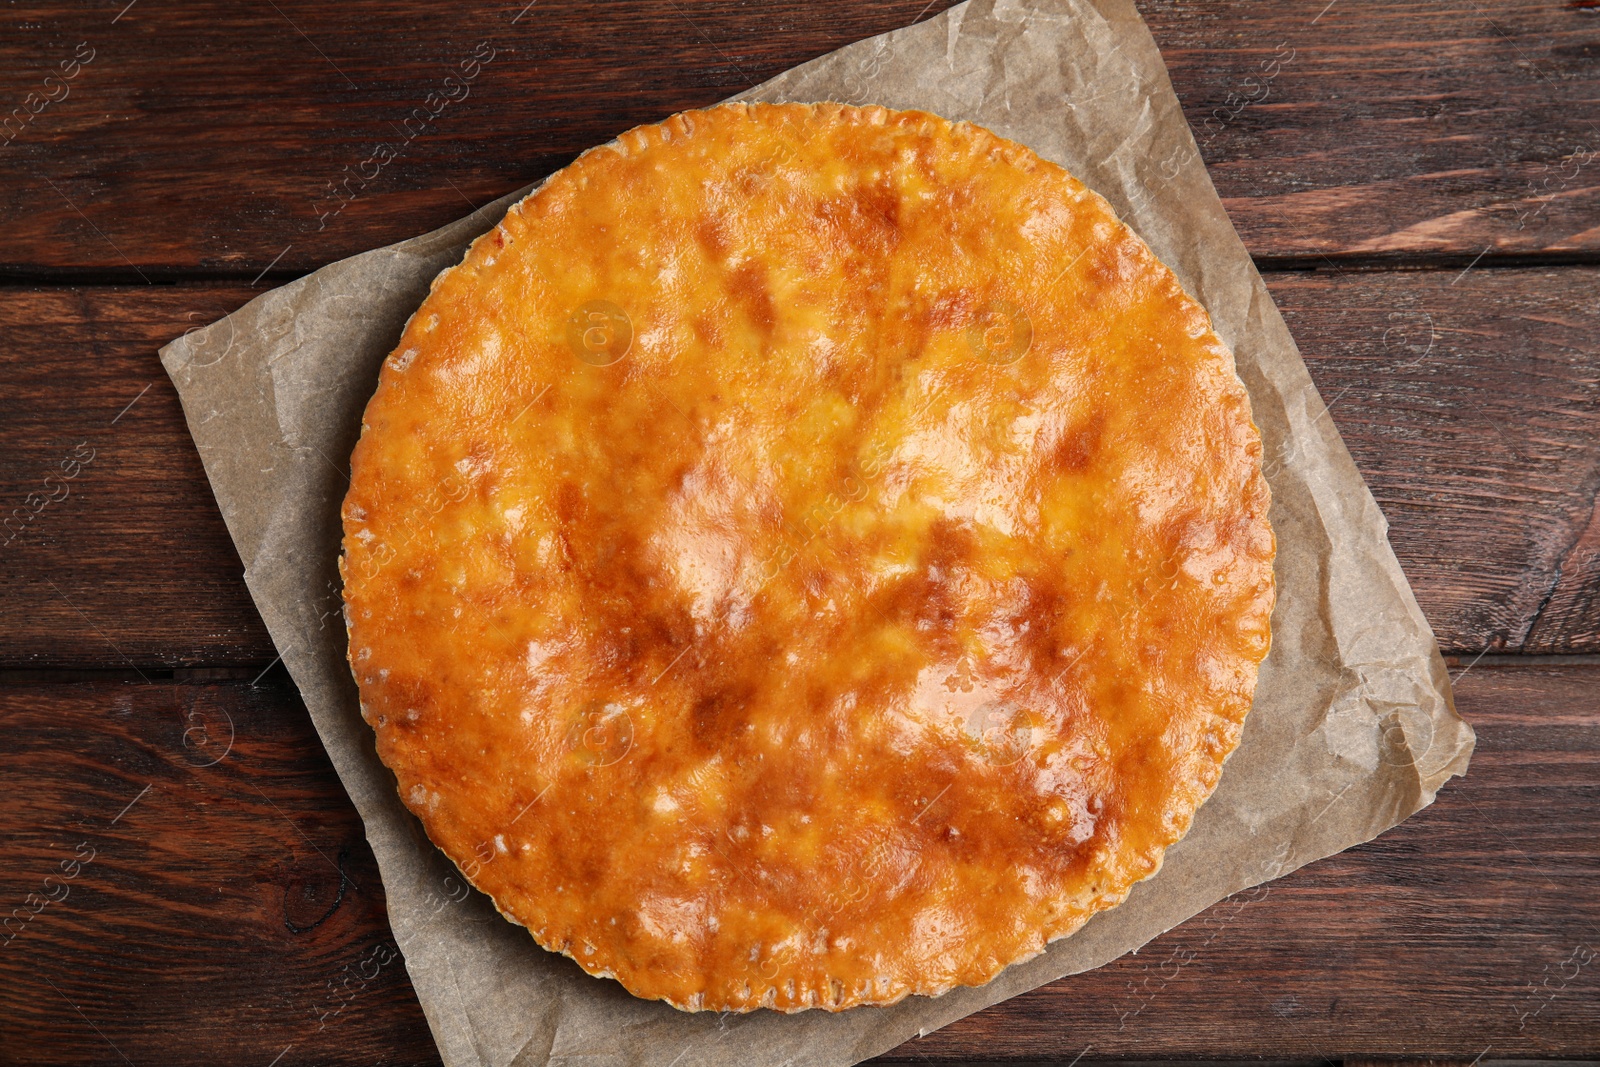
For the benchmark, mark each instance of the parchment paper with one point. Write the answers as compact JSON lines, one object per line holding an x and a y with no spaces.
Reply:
{"x":1353,"y":727}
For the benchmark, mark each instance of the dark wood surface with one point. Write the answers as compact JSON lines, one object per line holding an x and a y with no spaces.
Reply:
{"x":206,"y":135}
{"x":1419,"y":180}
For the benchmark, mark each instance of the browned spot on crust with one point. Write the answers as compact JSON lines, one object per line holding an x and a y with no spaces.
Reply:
{"x":1079,"y":445}
{"x":748,"y":285}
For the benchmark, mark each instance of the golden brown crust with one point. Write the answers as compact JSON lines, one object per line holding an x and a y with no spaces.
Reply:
{"x":807,"y":555}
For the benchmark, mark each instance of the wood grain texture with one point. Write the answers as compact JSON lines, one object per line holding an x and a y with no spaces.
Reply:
{"x":1394,"y":129}
{"x":223,"y":138}
{"x":213,"y":906}
{"x":127,"y":562}
{"x":1470,"y":402}
{"x":232,"y":910}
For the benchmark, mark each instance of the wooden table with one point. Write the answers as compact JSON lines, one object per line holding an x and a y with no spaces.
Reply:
{"x":1419,"y":181}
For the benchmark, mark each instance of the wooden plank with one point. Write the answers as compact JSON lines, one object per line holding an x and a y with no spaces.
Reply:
{"x":1471,"y":403}
{"x":122,"y":557}
{"x":223,"y":888}
{"x":217,"y":137}
{"x":212,"y":907}
{"x":209,"y":136}
{"x":1391,"y":129}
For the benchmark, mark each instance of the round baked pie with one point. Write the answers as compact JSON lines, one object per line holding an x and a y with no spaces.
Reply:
{"x":806,"y":555}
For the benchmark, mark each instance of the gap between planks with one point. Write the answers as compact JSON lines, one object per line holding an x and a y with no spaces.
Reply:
{"x":11,"y":278}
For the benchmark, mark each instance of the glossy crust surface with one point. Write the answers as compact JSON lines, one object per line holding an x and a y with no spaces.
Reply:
{"x":807,"y":555}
